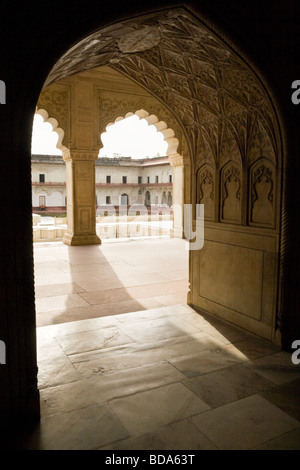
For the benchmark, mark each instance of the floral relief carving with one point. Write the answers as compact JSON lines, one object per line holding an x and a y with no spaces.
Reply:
{"x":260,"y":174}
{"x":205,"y":190}
{"x":231,"y":194}
{"x":55,"y":100}
{"x":262,"y":195}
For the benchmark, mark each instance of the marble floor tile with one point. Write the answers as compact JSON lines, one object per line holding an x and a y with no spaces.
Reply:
{"x":52,"y":279}
{"x":286,"y":441}
{"x":194,"y":318}
{"x":244,"y":424}
{"x":181,"y":435}
{"x":171,"y":287}
{"x":100,"y":297}
{"x":172,"y":299}
{"x":227,"y":385}
{"x":89,"y":340}
{"x":98,"y":282}
{"x":48,"y":349}
{"x":57,"y":289}
{"x":224,"y":332}
{"x":277,"y":367}
{"x":150,"y":314}
{"x":78,"y":271}
{"x":209,"y":360}
{"x":125,"y":306}
{"x":60,"y":371}
{"x":135,"y":355}
{"x":87,"y":324}
{"x":157,"y":329}
{"x":148,"y":410}
{"x":286,"y":396}
{"x":89,"y":392}
{"x":255,"y":348}
{"x":143,"y":279}
{"x":85,"y":429}
{"x":47,"y":304}
{"x":70,"y":315}
{"x":176,"y":274}
{"x":171,"y":347}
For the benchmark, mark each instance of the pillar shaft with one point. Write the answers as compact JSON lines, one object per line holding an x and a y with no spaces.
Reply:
{"x":176,"y":161}
{"x":81,"y":198}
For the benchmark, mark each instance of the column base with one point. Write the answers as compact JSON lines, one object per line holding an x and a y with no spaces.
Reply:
{"x":76,"y":240}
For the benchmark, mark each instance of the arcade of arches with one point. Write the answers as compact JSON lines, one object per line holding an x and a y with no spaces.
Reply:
{"x":224,"y":144}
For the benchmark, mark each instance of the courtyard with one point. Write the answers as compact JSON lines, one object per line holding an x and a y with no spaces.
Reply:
{"x":125,"y":364}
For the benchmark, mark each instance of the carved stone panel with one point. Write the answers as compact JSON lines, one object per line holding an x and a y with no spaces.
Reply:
{"x":206,"y":190}
{"x":230,"y":194}
{"x":262,"y":194}
{"x":56,"y":101}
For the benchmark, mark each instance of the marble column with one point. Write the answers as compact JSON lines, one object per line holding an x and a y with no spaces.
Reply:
{"x":81,"y":198}
{"x":176,"y":161}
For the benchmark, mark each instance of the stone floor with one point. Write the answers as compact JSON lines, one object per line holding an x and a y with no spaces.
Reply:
{"x":74,"y":283}
{"x":125,"y":364}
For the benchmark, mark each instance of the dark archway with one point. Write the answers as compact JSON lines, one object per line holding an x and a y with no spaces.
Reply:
{"x":147,"y":199}
{"x":24,"y":76}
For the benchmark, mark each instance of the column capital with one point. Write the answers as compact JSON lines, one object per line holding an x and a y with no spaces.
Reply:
{"x":80,"y":155}
{"x":176,"y":160}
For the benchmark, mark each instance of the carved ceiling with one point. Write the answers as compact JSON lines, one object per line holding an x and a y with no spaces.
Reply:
{"x":212,"y":92}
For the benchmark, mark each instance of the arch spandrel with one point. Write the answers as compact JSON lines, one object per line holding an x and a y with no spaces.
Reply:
{"x":55,"y":100}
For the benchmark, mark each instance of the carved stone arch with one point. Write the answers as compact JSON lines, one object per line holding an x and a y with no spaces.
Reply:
{"x":55,"y":127}
{"x":55,"y":100}
{"x":205,"y":189}
{"x":121,"y":106}
{"x":262,"y":193}
{"x":230,"y":193}
{"x":161,"y":126}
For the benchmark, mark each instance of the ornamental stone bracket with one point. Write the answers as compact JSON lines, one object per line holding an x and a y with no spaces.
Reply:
{"x":176,"y":160}
{"x":79,"y":155}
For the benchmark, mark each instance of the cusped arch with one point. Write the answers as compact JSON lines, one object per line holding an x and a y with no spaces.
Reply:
{"x":152,"y":120}
{"x":231,"y":192}
{"x":262,"y":193}
{"x":205,"y":189}
{"x":55,"y":127}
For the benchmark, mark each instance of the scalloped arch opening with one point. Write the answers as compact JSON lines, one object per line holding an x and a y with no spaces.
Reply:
{"x":39,"y":134}
{"x":169,"y":140}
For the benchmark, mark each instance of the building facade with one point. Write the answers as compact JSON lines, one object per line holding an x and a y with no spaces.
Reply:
{"x":119,"y":181}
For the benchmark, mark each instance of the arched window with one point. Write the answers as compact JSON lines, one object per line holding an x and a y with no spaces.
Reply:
{"x":124,"y":200}
{"x":147,"y":198}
